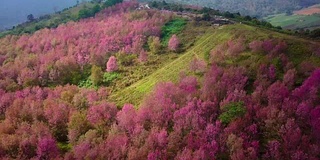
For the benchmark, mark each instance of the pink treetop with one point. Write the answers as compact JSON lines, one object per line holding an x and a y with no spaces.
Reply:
{"x":256,"y":46}
{"x":101,"y":113}
{"x":112,"y":64}
{"x":289,"y":77}
{"x":127,"y":117}
{"x":143,"y":56}
{"x":47,"y":148}
{"x":2,"y":59}
{"x":280,"y":48}
{"x":173,"y":43}
{"x":315,"y":122}
{"x":235,"y":47}
{"x":267,"y":46}
{"x":316,"y":52}
{"x":198,"y":65}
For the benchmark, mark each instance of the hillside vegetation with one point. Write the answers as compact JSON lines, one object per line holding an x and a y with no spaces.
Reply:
{"x":201,"y":49}
{"x":149,"y":84}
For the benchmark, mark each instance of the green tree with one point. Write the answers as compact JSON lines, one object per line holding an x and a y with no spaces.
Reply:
{"x":96,"y":9}
{"x":315,"y":33}
{"x":84,"y":13}
{"x":154,"y":44}
{"x":30,"y":17}
{"x":109,"y":3}
{"x":232,"y":111}
{"x":96,"y":75}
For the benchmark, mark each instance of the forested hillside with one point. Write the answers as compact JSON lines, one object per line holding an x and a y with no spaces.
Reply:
{"x":139,"y":83}
{"x":258,"y":8}
{"x":58,"y":56}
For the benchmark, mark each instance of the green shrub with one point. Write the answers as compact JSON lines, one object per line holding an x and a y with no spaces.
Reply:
{"x":154,"y":44}
{"x":126,"y":59}
{"x":96,"y":75}
{"x":87,"y":83}
{"x":64,"y":147}
{"x":174,"y":26}
{"x":232,"y":111}
{"x":108,"y":77}
{"x":89,"y":12}
{"x":109,"y":3}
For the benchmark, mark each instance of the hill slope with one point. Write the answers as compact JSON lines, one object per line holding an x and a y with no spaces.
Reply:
{"x":246,"y":93}
{"x":258,"y":8}
{"x":202,"y":47}
{"x":170,"y":72}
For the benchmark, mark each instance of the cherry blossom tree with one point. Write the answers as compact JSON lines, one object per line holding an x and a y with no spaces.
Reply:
{"x":198,"y":65}
{"x":112,"y":64}
{"x":256,"y":46}
{"x":173,"y":43}
{"x":143,"y":56}
{"x":47,"y":148}
{"x":235,"y":47}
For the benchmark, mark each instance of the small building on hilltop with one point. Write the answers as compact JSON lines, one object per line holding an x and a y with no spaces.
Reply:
{"x":143,"y":6}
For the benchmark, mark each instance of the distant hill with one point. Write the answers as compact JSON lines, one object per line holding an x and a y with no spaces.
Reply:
{"x":14,"y":12}
{"x":258,"y":8}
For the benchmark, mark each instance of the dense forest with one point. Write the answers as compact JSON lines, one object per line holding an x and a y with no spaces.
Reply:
{"x":257,"y":8}
{"x":188,"y":89}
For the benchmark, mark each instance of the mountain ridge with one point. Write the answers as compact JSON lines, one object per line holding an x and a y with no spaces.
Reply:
{"x":258,"y":8}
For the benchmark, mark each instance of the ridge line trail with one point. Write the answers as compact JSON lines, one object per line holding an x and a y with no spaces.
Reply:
{"x":171,"y":70}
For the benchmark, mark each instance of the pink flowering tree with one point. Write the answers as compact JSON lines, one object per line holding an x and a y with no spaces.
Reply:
{"x":47,"y":148}
{"x":126,"y":118}
{"x":143,"y":56}
{"x":235,"y":47}
{"x":256,"y":46}
{"x":102,"y":116}
{"x":198,"y":65}
{"x":112,"y":64}
{"x":267,"y":46}
{"x":315,"y":122}
{"x":173,"y":43}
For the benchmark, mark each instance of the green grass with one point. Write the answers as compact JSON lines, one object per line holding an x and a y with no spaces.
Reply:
{"x":172,"y":27}
{"x":294,"y":21}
